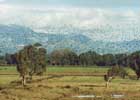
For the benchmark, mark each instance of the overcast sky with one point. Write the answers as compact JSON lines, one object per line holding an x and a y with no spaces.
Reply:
{"x":87,"y":3}
{"x":122,"y":16}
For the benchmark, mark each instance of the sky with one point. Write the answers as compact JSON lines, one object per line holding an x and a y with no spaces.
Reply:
{"x":109,"y":20}
{"x":92,"y":3}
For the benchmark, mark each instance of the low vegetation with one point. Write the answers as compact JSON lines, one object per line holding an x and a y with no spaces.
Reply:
{"x":57,"y":85}
{"x":69,"y":75}
{"x":66,"y":57}
{"x":114,"y":72}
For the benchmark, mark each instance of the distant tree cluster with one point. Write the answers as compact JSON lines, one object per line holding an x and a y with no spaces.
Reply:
{"x":63,"y":57}
{"x":67,"y":57}
{"x":91,"y":58}
{"x":2,"y":60}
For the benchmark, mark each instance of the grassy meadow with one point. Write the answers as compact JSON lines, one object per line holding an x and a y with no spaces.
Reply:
{"x":68,"y":83}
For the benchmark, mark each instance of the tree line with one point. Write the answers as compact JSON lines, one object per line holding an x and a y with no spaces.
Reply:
{"x":64,"y":57}
{"x":33,"y":59}
{"x":91,"y":58}
{"x":67,"y":57}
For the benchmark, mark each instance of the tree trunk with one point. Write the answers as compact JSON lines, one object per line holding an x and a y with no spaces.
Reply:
{"x":30,"y":77}
{"x":107,"y":84}
{"x":138,"y":77}
{"x":23,"y":80}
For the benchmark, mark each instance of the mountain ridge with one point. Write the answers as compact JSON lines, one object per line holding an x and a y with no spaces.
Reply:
{"x":13,"y":37}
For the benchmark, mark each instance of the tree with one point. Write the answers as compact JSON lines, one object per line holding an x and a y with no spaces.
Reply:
{"x":89,"y":58}
{"x":8,"y":58}
{"x":56,"y":57}
{"x":121,"y":59}
{"x":108,"y":59}
{"x":83,"y":60}
{"x":113,"y":72}
{"x":31,"y":60}
{"x":70,"y":57}
{"x":2,"y":60}
{"x":134,"y":62}
{"x":64,"y":57}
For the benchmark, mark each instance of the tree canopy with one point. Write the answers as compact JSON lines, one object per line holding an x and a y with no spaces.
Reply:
{"x":31,"y":60}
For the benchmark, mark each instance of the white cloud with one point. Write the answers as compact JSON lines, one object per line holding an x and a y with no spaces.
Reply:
{"x":2,"y":0}
{"x":4,"y":8}
{"x":107,"y":24}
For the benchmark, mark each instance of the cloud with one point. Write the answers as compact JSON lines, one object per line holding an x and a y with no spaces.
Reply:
{"x":78,"y":3}
{"x":2,"y":0}
{"x":97,"y":23}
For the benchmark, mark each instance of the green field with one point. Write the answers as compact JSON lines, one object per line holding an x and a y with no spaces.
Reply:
{"x":66,"y":69}
{"x":65,"y":83}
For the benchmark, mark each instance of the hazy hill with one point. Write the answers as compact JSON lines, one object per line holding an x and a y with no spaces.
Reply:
{"x":14,"y":37}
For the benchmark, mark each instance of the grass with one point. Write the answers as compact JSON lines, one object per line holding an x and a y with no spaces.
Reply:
{"x":64,"y":87}
{"x":93,"y":69}
{"x":66,"y":69}
{"x":8,"y":70}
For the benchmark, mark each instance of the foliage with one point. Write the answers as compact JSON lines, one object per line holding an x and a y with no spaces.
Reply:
{"x":113,"y":72}
{"x":68,"y":57}
{"x":134,"y":62}
{"x":117,"y":71}
{"x":31,"y":60}
{"x":63,"y":57}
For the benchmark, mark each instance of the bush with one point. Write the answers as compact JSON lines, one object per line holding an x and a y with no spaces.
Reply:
{"x":117,"y":71}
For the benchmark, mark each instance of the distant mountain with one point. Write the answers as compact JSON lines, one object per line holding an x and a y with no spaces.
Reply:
{"x":14,"y":37}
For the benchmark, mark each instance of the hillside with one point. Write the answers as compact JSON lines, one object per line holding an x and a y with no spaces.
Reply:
{"x":14,"y":37}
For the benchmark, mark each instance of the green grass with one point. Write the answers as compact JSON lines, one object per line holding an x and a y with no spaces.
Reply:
{"x":66,"y":69}
{"x":93,"y":69}
{"x":8,"y":70}
{"x":62,"y":88}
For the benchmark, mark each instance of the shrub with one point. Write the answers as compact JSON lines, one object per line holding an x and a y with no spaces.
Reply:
{"x":117,"y":71}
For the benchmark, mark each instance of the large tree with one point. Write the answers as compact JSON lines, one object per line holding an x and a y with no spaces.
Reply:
{"x":31,"y":60}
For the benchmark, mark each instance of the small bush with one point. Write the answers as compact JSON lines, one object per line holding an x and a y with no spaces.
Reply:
{"x":117,"y":71}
